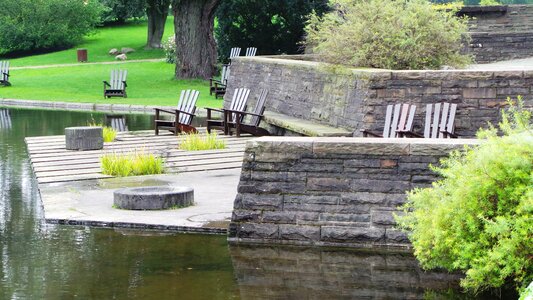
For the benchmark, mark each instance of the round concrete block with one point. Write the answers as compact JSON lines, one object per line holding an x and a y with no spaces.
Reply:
{"x":153,"y":197}
{"x":84,"y":138}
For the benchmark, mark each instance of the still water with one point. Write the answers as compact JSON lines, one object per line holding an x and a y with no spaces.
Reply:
{"x":42,"y":261}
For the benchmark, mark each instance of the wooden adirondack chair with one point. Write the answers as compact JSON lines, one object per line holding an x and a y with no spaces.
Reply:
{"x":238,"y":103}
{"x":251,"y":51}
{"x":218,"y":87}
{"x":183,"y":114}
{"x":440,"y":118}
{"x":117,"y":122}
{"x":116,"y":87}
{"x":236,"y":51}
{"x":4,"y":73}
{"x":399,"y":117}
{"x":256,"y":116}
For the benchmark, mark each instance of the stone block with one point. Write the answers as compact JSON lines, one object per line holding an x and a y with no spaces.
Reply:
{"x":299,"y":232}
{"x":261,"y":201}
{"x":257,"y":231}
{"x":312,"y":199}
{"x":279,"y":217}
{"x":391,"y":93}
{"x":328,"y":184}
{"x":396,"y":236}
{"x":362,"y":163}
{"x":381,"y":199}
{"x":379,"y":186}
{"x":479,"y":93}
{"x":383,"y":217}
{"x":337,"y":217}
{"x":245,"y":216}
{"x":260,"y":187}
{"x":363,"y":235}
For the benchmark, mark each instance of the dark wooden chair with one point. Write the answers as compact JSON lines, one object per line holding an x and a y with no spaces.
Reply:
{"x":238,"y":103}
{"x":4,"y":73}
{"x":251,"y":51}
{"x":399,"y":117}
{"x":218,"y":87}
{"x":182,"y":115}
{"x":236,"y":122}
{"x":116,"y":87}
{"x":440,"y":119}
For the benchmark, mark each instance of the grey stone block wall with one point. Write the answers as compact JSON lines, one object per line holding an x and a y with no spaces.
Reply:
{"x":508,"y":18}
{"x":490,"y":47}
{"x":330,"y":191}
{"x":356,"y":99}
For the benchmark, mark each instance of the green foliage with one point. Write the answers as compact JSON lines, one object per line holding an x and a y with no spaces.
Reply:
{"x":169,"y":46}
{"x":527,"y":293}
{"x":29,"y":25}
{"x":489,"y":2}
{"x":478,"y":218}
{"x":274,"y":26}
{"x":196,"y":142}
{"x":391,"y":34}
{"x":121,"y":10}
{"x":108,"y":133}
{"x":131,"y":164}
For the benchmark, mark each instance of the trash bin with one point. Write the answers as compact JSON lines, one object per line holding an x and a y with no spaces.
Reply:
{"x":82,"y":55}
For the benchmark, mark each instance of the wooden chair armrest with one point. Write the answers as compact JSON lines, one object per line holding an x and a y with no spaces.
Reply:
{"x":409,"y":134}
{"x":366,"y":133}
{"x":209,"y":109}
{"x":220,"y":85}
{"x":164,"y":110}
{"x":446,"y":134}
{"x":106,"y":83}
{"x":243,"y":112}
{"x":125,"y":84}
{"x":184,"y":112}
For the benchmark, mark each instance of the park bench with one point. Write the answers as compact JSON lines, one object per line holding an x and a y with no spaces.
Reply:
{"x":398,"y":118}
{"x":439,"y":123}
{"x":4,"y":73}
{"x":182,"y":115}
{"x":218,"y":86}
{"x":116,"y":87}
{"x":238,"y":103}
{"x":237,"y":123}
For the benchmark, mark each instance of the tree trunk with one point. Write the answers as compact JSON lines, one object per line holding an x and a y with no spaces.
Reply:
{"x":196,"y":47}
{"x":157,"y":12}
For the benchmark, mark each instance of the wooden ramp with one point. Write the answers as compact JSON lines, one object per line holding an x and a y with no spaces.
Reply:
{"x":52,"y":163}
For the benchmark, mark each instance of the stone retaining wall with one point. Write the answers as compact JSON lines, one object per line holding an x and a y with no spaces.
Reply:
{"x":507,"y":18}
{"x":356,"y":99}
{"x":330,"y":191}
{"x":497,"y":46}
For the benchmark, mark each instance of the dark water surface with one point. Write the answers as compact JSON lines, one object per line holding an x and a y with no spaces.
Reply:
{"x":40,"y":261}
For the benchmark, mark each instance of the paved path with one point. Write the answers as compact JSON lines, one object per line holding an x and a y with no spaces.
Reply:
{"x":509,"y":65}
{"x":51,"y":162}
{"x":88,"y":63}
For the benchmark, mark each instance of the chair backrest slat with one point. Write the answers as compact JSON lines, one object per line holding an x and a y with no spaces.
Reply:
{"x":187,"y":103}
{"x":4,"y":70}
{"x":118,"y":77}
{"x":236,"y":51}
{"x":259,"y":108}
{"x":410,"y":119}
{"x":440,"y":118}
{"x":238,"y":102}
{"x":5,"y":119}
{"x":427,"y":125}
{"x":443,"y":119}
{"x":251,"y":51}
{"x":450,"y":125}
{"x":404,"y":111}
{"x":225,"y":74}
{"x":399,"y":117}
{"x":394,"y":124}
{"x":388,"y":119}
{"x":435,"y":121}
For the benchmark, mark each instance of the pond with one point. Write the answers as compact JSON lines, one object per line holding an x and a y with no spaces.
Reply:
{"x":42,"y":261}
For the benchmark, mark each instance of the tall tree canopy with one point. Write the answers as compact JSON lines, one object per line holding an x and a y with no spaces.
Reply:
{"x":273,"y":26}
{"x":195,"y":42}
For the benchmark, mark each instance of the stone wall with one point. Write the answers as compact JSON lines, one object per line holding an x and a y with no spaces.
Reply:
{"x":356,"y":99}
{"x":330,"y":191}
{"x":500,"y":32}
{"x":264,"y":272}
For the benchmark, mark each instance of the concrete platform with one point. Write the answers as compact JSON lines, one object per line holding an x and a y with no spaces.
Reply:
{"x":90,"y":202}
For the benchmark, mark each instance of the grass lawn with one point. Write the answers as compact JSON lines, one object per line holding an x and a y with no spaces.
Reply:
{"x":149,"y":83}
{"x":131,"y":35}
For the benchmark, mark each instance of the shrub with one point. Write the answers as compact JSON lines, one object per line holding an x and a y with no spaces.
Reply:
{"x":196,"y":142}
{"x":478,"y":218}
{"x":391,"y":34}
{"x":169,"y":46}
{"x":489,"y":2}
{"x":109,"y":134}
{"x":28,"y":25}
{"x":121,"y":10}
{"x":131,"y":164}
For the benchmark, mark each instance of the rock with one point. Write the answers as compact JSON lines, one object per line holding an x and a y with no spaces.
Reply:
{"x":121,"y":57}
{"x":113,"y":51}
{"x":126,"y":50}
{"x":84,"y":138}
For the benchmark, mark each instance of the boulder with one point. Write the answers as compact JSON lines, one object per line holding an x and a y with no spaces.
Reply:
{"x":126,"y":50}
{"x":113,"y":51}
{"x":121,"y":57}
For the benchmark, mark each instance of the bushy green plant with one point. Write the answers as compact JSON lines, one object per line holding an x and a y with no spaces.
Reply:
{"x":391,"y":34}
{"x":478,"y":217}
{"x":489,"y":2}
{"x":170,"y":49}
{"x":527,"y":293}
{"x":109,"y":134}
{"x":197,"y":142}
{"x":131,"y":164}
{"x":121,"y":10}
{"x":29,"y":25}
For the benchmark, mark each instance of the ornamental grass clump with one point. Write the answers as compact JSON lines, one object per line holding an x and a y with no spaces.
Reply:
{"x":108,"y":133}
{"x":131,"y":164}
{"x":197,"y":142}
{"x":479,"y":217}
{"x":389,"y":34}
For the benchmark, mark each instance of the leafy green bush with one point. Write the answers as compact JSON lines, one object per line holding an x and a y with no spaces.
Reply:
{"x":391,"y":34}
{"x":478,"y":218}
{"x":121,"y":10}
{"x":28,"y":25}
{"x":131,"y":164}
{"x":109,"y":134}
{"x":197,"y":142}
{"x":170,"y":49}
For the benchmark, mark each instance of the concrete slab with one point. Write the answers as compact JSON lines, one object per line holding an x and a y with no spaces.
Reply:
{"x":91,"y":202}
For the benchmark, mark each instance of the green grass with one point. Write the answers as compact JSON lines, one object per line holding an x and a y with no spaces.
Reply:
{"x":131,"y":35}
{"x":108,"y":133}
{"x":197,"y":142}
{"x":131,"y":164}
{"x":149,"y":83}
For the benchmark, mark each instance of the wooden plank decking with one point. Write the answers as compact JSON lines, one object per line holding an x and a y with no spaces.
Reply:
{"x":51,"y":162}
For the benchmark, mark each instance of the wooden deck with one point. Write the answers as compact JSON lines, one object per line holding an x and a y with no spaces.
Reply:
{"x":52,"y":163}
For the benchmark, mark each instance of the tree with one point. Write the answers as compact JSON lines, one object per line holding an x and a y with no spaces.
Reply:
{"x":274,"y":27}
{"x":121,"y":10}
{"x":157,"y":12}
{"x":195,"y":42}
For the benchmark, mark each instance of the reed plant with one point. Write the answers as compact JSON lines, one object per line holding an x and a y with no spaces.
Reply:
{"x":197,"y":142}
{"x":109,"y":134}
{"x":131,"y":164}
